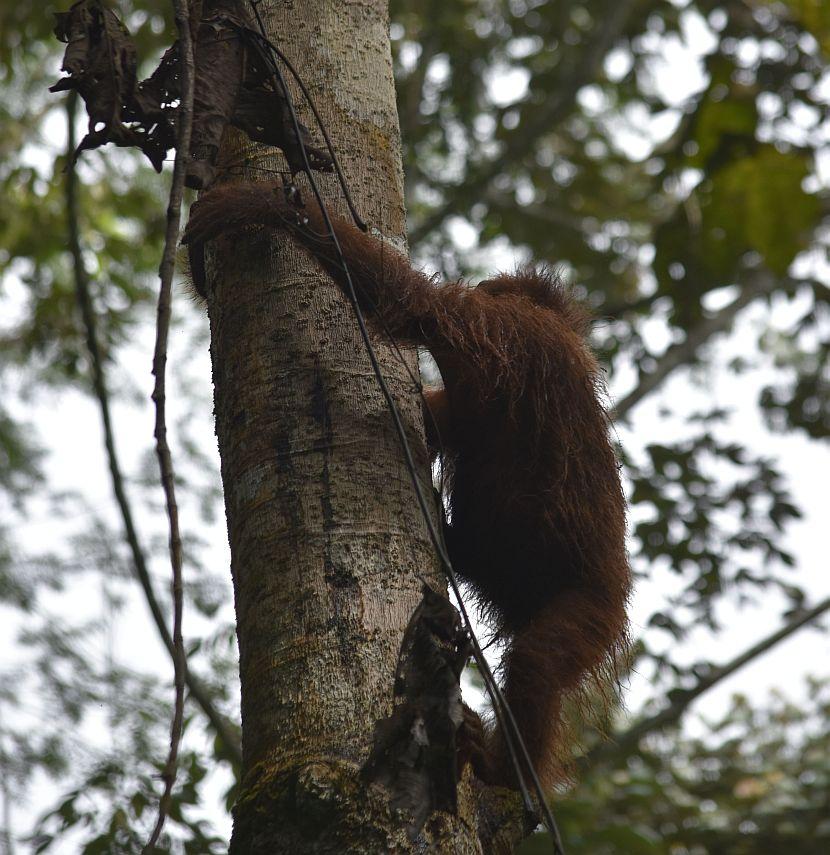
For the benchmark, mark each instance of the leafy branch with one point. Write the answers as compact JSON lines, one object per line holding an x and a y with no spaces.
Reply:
{"x":628,"y":740}
{"x":584,"y":69}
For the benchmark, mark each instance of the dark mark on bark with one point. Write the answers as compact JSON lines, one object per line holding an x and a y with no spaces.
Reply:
{"x":239,"y":419}
{"x":283,"y":459}
{"x":341,"y":584}
{"x":284,"y":456}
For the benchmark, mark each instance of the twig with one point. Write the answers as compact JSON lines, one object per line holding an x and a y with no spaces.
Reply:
{"x":198,"y":690}
{"x":184,"y":126}
{"x":629,"y":739}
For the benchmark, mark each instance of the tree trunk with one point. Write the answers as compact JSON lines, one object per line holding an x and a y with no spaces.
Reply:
{"x":329,"y":551}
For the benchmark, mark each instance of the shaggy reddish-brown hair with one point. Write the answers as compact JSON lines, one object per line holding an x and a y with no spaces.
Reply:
{"x":536,"y":512}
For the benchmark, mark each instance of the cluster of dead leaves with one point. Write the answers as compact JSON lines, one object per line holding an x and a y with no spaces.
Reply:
{"x":236,"y":83}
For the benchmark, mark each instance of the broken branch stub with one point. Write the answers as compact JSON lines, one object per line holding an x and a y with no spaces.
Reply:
{"x":414,"y":754}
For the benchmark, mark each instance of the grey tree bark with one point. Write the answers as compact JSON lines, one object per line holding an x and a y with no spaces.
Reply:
{"x":329,"y":551}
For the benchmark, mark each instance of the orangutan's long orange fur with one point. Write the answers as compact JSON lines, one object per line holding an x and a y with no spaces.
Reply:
{"x":537,"y":514}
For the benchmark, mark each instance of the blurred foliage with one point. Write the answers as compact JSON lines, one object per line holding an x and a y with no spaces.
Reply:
{"x":753,"y":782}
{"x":661,"y":154}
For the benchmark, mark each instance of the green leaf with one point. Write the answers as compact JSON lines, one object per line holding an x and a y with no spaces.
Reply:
{"x":759,"y":203}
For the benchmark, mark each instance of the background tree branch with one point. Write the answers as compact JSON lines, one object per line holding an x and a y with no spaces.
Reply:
{"x":760,"y":282}
{"x":628,"y":740}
